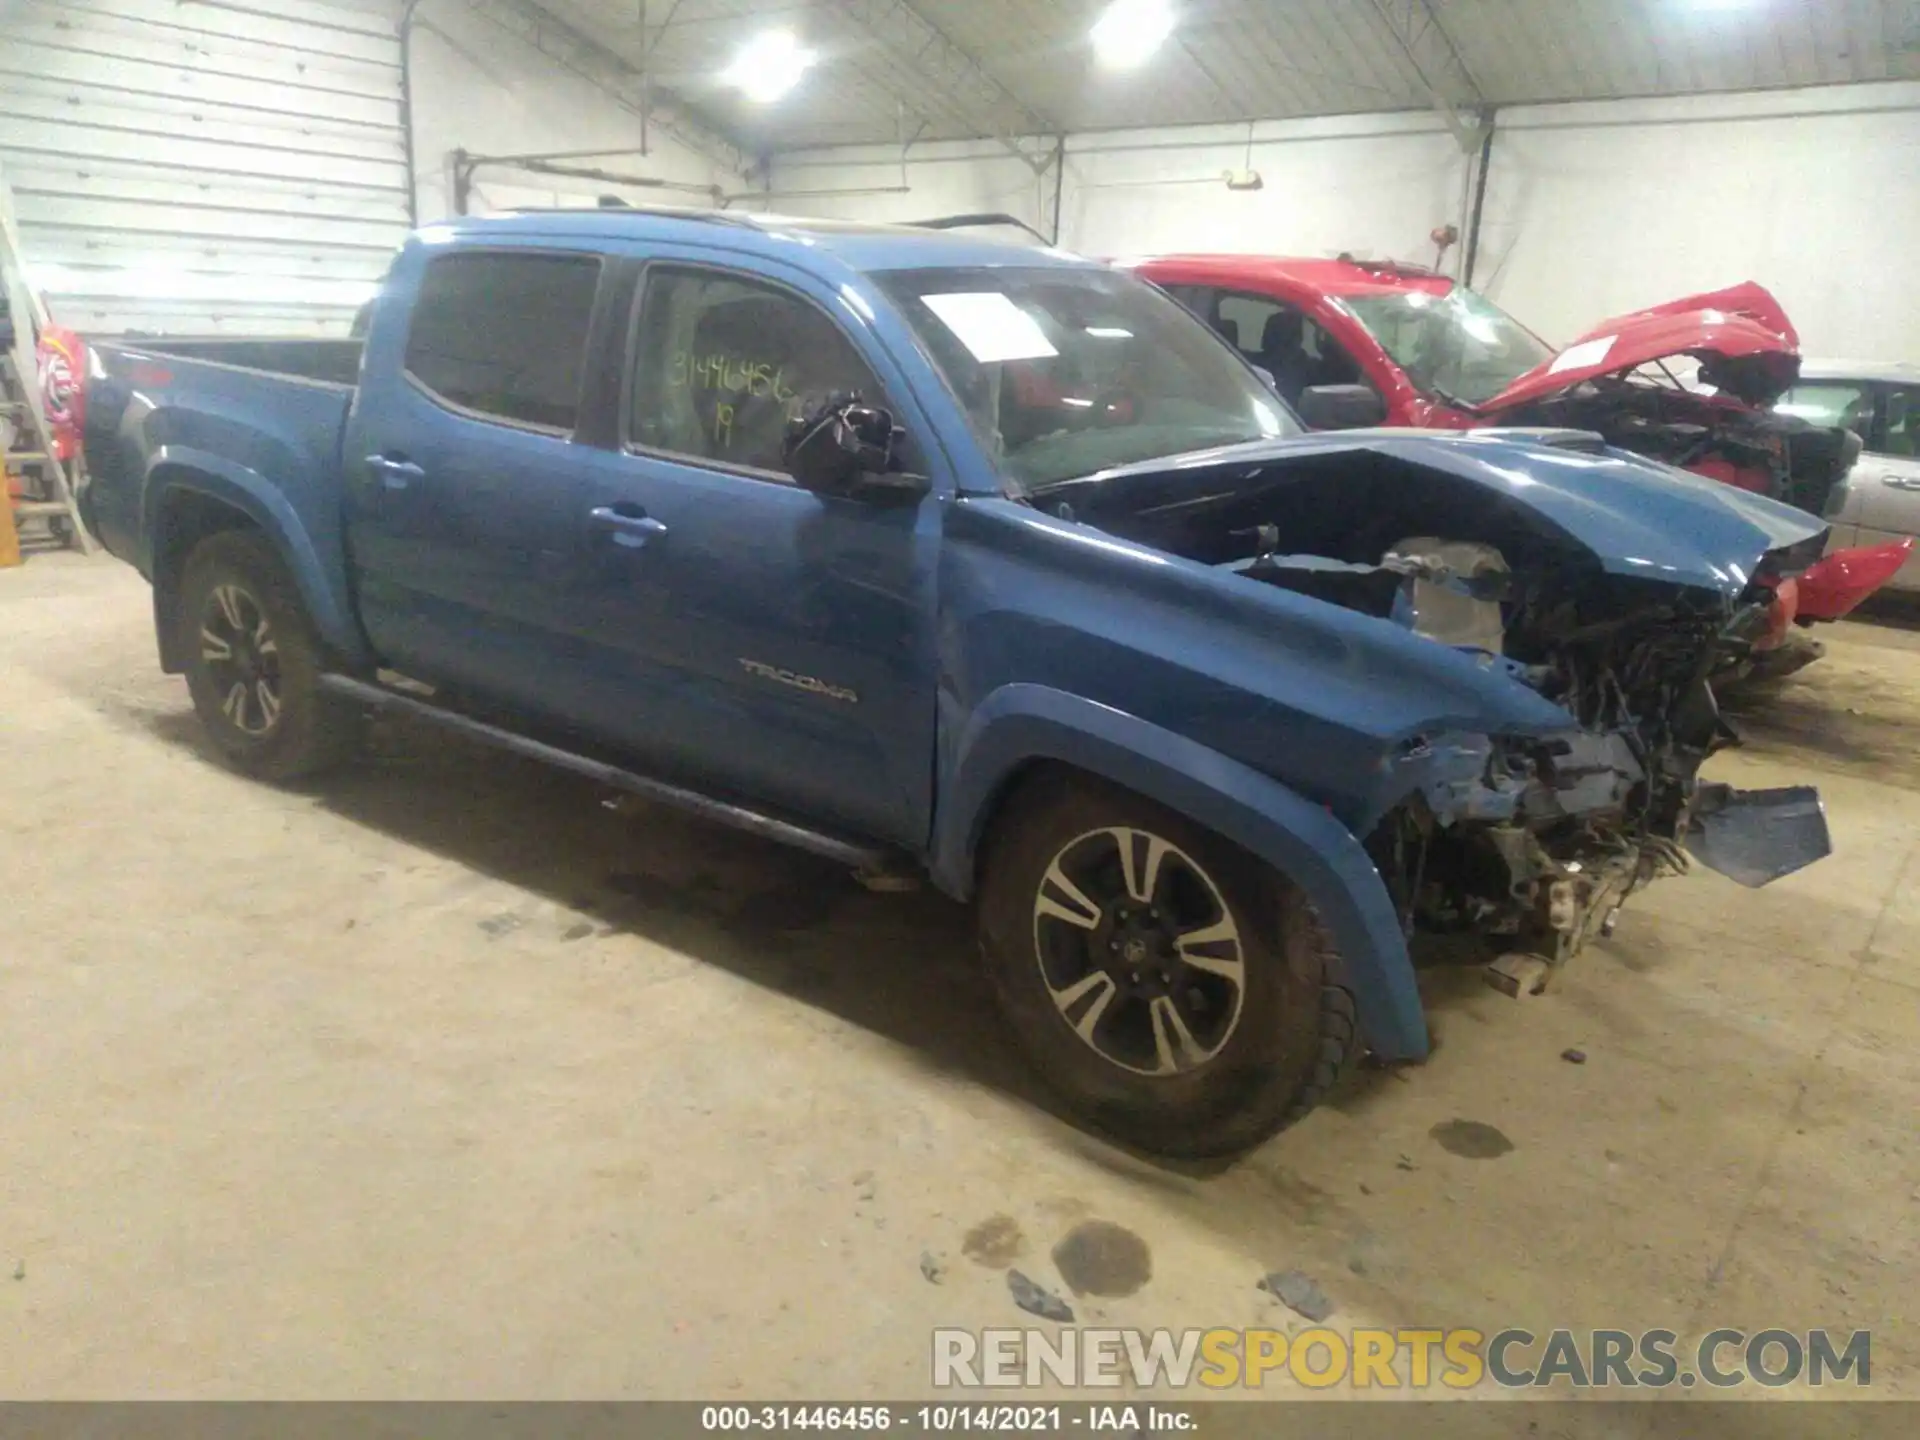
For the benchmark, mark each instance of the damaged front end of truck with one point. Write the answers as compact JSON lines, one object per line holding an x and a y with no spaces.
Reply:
{"x":1536,"y":842}
{"x":1599,"y":582}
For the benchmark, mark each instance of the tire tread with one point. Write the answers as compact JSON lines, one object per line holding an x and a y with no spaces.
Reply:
{"x":1262,"y":1104}
{"x":317,"y":731}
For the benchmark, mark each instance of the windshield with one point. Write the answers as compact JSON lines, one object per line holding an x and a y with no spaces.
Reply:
{"x":1067,"y":372}
{"x":1458,"y":346}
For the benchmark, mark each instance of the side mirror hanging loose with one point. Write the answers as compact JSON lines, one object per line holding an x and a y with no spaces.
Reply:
{"x":842,"y":445}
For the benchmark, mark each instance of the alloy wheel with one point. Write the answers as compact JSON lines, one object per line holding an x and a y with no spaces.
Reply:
{"x":242,"y":659}
{"x":1139,"y":951}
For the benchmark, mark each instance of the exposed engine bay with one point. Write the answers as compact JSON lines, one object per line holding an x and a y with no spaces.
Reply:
{"x":1780,"y":456}
{"x":1535,"y":841}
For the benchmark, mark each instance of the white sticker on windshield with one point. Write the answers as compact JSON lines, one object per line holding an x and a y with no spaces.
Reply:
{"x":1579,"y":357}
{"x":991,"y":326}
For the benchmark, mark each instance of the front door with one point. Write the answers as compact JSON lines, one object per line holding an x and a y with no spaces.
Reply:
{"x":464,"y":485}
{"x":785,"y":637}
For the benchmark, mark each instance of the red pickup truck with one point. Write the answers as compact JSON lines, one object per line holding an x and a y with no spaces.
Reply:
{"x":1352,"y":343}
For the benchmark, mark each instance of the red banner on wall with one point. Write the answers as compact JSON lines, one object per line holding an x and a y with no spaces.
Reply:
{"x":62,"y":372}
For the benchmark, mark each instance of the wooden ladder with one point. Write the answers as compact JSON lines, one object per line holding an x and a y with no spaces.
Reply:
{"x":47,"y":486}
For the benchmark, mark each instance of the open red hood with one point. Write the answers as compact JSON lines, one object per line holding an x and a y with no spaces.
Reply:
{"x":1743,"y":340}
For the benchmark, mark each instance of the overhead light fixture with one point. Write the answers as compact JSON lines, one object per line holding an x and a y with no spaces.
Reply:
{"x":1129,"y":31}
{"x":768,"y":66}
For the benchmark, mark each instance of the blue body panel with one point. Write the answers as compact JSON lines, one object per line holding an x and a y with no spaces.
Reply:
{"x":1316,"y":695}
{"x":884,"y":669}
{"x":265,"y":444}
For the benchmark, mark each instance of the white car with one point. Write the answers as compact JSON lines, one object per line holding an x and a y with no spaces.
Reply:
{"x":1880,"y":402}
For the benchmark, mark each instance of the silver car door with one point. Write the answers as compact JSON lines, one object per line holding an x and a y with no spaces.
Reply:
{"x":1846,"y":403}
{"x":1886,"y":481}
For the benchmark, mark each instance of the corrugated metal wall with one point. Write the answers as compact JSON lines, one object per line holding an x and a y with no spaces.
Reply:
{"x":204,"y":166}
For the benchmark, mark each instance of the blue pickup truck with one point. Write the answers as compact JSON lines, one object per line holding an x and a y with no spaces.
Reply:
{"x":932,"y":553}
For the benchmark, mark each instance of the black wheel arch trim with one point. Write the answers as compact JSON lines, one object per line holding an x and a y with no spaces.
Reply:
{"x":180,"y":479}
{"x":1023,"y":723}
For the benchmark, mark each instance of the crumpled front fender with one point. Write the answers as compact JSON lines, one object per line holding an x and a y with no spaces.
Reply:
{"x":1021,"y":723}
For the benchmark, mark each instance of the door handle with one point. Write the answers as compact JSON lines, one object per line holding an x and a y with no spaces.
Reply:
{"x":394,"y":474}
{"x":1901,"y":482}
{"x":630,"y":529}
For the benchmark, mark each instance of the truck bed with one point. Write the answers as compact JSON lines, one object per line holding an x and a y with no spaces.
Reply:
{"x":334,"y":362}
{"x":256,"y":423}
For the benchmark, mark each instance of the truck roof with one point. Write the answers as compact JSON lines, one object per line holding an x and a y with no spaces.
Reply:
{"x":859,"y":245}
{"x":1327,"y":277}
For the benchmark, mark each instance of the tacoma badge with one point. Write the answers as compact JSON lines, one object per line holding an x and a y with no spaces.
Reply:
{"x":799,"y":682}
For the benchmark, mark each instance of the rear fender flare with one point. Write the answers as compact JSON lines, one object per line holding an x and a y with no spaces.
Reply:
{"x":174,"y":468}
{"x":1019,"y":724}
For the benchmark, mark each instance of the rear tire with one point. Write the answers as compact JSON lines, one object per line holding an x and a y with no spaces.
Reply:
{"x":254,"y":661}
{"x":1175,"y":991}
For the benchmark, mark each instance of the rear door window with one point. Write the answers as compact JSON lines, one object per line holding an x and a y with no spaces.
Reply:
{"x":504,"y":335}
{"x":1831,"y":402}
{"x":1900,"y":421}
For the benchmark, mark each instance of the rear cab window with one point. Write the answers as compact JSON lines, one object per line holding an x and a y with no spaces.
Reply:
{"x":502,"y":335}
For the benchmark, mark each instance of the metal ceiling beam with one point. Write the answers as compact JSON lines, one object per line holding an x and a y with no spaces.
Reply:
{"x":1437,"y":64}
{"x":957,"y":82}
{"x":618,"y":77}
{"x":649,"y":42}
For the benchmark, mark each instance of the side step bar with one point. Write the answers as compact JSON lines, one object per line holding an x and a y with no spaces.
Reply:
{"x":866,"y":859}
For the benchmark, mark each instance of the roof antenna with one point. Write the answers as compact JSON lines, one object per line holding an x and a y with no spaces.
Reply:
{"x":613,"y":202}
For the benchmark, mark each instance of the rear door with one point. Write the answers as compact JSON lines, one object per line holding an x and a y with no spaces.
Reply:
{"x":464,"y":484}
{"x":1847,"y":404}
{"x":784,"y":638}
{"x":1887,"y":475}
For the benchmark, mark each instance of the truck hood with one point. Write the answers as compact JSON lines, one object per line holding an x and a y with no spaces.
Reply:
{"x":1741,"y":335}
{"x":1636,"y":517}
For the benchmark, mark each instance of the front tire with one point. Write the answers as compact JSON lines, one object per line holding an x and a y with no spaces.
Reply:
{"x":253,"y":662}
{"x":1176,"y":992}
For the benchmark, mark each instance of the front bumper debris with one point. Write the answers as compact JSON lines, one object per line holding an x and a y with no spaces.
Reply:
{"x":1757,"y":836}
{"x":1751,"y":836}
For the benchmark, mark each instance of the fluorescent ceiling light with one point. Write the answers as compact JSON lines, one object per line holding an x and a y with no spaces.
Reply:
{"x":768,"y":66}
{"x":1130,"y":31}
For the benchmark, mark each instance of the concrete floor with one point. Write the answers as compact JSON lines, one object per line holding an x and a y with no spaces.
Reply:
{"x":444,"y":1080}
